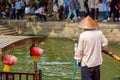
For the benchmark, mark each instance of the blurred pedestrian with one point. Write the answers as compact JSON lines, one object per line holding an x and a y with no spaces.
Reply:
{"x":87,"y":10}
{"x":18,"y":8}
{"x":91,"y":5}
{"x":78,"y":8}
{"x":96,"y":9}
{"x":12,"y":11}
{"x":72,"y":10}
{"x":55,"y":11}
{"x":105,"y":10}
{"x":41,"y":13}
{"x":66,"y":9}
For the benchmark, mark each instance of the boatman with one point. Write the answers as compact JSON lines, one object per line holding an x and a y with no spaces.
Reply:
{"x":90,"y":44}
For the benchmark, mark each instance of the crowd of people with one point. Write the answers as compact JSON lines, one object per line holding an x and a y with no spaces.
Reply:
{"x":60,"y":9}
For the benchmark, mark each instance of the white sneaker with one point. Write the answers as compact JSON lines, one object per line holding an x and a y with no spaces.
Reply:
{"x":105,"y":21}
{"x":72,"y":21}
{"x":109,"y":19}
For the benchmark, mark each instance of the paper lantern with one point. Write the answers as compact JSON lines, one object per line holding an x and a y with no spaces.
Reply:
{"x":8,"y":60}
{"x":35,"y":52}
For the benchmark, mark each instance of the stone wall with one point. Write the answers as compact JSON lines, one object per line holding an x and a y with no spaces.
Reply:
{"x":62,"y":29}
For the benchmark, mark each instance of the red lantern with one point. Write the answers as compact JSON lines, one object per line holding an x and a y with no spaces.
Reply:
{"x":9,"y":59}
{"x":36,"y":51}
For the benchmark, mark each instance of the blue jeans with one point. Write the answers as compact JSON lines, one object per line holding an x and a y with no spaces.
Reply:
{"x":90,"y":73}
{"x":78,"y":12}
{"x":105,"y":15}
{"x":74,"y":13}
{"x":66,"y":11}
{"x":0,"y":14}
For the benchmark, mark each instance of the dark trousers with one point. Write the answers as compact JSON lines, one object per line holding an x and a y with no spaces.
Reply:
{"x":19,"y":14}
{"x":92,"y":73}
{"x":92,"y":13}
{"x":41,"y":16}
{"x":13,"y":16}
{"x":96,"y":13}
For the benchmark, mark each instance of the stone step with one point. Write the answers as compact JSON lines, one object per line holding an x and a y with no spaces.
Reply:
{"x":8,"y":33}
{"x":6,"y":29}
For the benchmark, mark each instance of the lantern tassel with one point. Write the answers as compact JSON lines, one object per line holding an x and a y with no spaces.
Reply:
{"x":34,"y":58}
{"x":6,"y":68}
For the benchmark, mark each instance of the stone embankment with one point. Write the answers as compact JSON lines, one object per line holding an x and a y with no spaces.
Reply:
{"x":62,"y":29}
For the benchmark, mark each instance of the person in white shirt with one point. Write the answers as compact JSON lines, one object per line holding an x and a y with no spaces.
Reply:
{"x":90,"y":44}
{"x":27,"y":9}
{"x":41,"y":13}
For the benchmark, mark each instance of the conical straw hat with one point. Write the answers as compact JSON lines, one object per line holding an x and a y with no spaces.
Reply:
{"x":88,"y":23}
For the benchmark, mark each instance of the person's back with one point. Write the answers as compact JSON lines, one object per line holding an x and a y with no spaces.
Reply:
{"x":91,"y":41}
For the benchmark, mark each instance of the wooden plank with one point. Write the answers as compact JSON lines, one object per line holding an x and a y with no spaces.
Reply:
{"x":11,"y":42}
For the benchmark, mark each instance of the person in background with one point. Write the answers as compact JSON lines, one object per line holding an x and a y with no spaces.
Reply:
{"x":23,"y":4}
{"x":7,"y":14}
{"x":96,"y":9}
{"x":0,"y":11}
{"x":111,"y":9}
{"x":91,"y":5}
{"x":61,"y":9}
{"x":105,"y":10}
{"x":72,"y":10}
{"x":12,"y":11}
{"x":27,"y":2}
{"x":27,"y":9}
{"x":33,"y":9}
{"x":87,"y":10}
{"x":55,"y":11}
{"x":116,"y":11}
{"x":66,"y":9}
{"x":41,"y":13}
{"x":49,"y":7}
{"x":18,"y":8}
{"x":90,"y":45}
{"x":78,"y":8}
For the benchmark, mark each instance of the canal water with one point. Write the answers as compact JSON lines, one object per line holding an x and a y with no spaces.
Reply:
{"x":57,"y":63}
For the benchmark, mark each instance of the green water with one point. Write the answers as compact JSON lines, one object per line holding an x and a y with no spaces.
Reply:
{"x":57,"y":61}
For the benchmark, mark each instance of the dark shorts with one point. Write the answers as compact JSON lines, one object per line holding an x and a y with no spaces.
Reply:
{"x":90,"y":73}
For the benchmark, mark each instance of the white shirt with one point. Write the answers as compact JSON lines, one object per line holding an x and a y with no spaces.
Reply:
{"x":27,"y":10}
{"x":89,"y":48}
{"x":60,"y":2}
{"x":55,"y":8}
{"x":40,"y":10}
